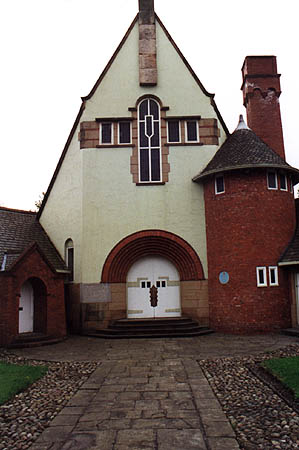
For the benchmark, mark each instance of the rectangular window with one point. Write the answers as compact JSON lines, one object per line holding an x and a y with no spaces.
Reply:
{"x":219,"y":184}
{"x":173,"y":131}
{"x":273,"y":276}
{"x":291,"y":184}
{"x":272,"y":180}
{"x":106,"y":133}
{"x":124,"y":133}
{"x":191,"y":131}
{"x":261,"y":276}
{"x":283,"y":182}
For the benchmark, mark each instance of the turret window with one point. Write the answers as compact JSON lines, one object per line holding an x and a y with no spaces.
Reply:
{"x":261,"y":276}
{"x":273,"y":276}
{"x":283,"y":182}
{"x":219,"y":184}
{"x":272,"y":180}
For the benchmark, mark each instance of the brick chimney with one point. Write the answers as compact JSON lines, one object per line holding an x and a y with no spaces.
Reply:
{"x":147,"y":44}
{"x":261,"y":91}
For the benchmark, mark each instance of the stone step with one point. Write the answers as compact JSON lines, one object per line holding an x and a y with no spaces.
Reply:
{"x":291,"y":331}
{"x":105,"y":334}
{"x":149,"y":328}
{"x":28,"y":340}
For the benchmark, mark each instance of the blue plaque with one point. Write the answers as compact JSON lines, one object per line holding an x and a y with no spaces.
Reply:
{"x":223,"y":277}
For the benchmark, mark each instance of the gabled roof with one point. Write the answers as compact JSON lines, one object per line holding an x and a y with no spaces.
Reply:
{"x":290,"y":256}
{"x":244,"y":149}
{"x":98,"y":82}
{"x":19,"y":230}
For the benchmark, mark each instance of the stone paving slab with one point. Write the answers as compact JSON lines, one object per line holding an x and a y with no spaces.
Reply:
{"x":145,"y":394}
{"x":120,"y":408}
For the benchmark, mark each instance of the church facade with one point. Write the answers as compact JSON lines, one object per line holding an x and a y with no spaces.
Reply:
{"x":151,"y":190}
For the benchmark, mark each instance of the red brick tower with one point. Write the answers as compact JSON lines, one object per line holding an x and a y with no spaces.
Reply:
{"x":250,"y":215}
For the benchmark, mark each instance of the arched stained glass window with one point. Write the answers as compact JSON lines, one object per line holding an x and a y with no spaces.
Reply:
{"x":149,"y":141}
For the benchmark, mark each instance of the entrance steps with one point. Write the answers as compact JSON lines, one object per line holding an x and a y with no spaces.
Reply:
{"x":291,"y":331}
{"x":27,"y":340}
{"x":150,"y":328}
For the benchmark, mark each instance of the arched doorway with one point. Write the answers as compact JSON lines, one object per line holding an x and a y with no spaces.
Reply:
{"x":33,"y":307}
{"x":153,"y":272}
{"x":26,"y":308}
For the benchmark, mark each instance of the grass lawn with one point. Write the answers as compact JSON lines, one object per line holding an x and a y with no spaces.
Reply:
{"x":14,"y":379}
{"x":286,"y":370}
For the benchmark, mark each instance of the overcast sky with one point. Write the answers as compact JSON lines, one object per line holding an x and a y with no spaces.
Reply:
{"x":53,"y":51}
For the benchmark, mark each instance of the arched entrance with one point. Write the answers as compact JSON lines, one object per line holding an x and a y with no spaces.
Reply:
{"x":151,"y":243}
{"x":33,"y":307}
{"x":153,"y":289}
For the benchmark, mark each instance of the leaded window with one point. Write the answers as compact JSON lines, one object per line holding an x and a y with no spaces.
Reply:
{"x":149,"y":141}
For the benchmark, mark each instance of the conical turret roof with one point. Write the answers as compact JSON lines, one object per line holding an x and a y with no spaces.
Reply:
{"x":244,"y":149}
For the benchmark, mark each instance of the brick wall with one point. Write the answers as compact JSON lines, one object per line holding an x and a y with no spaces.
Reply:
{"x":247,"y":226}
{"x":261,"y":91}
{"x":48,"y":293}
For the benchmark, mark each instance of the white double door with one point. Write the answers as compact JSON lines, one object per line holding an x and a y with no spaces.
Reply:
{"x":26,"y":309}
{"x":143,"y":275}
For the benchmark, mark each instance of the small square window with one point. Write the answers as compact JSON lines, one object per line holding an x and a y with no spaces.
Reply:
{"x":143,"y":285}
{"x":261,"y":276}
{"x":191,"y":131}
{"x":124,"y":133}
{"x":273,"y":276}
{"x":219,"y":184}
{"x":272,"y":180}
{"x":164,"y":283}
{"x":148,"y":284}
{"x":158,"y":284}
{"x":283,"y":182}
{"x":174,"y":131}
{"x":106,"y":133}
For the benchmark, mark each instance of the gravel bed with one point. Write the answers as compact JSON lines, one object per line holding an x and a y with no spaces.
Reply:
{"x":258,"y":411}
{"x":24,"y":417}
{"x":261,"y":416}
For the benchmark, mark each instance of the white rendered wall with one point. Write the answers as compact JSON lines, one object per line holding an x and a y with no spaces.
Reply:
{"x":94,"y":200}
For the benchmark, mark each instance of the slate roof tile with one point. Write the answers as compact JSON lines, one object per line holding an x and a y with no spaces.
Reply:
{"x":291,"y":253}
{"x":18,"y":231}
{"x":244,"y":149}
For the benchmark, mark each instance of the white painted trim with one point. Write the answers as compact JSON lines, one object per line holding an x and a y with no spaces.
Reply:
{"x":112,"y":134}
{"x":275,"y":173}
{"x":180,"y":134}
{"x":288,"y":263}
{"x":150,"y":148}
{"x":270,"y":268}
{"x":186,"y":131}
{"x":263,"y":269}
{"x":286,"y":180}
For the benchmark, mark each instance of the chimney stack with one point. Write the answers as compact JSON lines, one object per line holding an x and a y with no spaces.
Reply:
{"x":147,"y":44}
{"x":261,"y":91}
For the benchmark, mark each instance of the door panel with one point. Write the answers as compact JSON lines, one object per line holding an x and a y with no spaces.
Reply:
{"x":148,"y":272}
{"x":26,"y":309}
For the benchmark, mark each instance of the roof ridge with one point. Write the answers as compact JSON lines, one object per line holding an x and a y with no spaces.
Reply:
{"x":22,"y":211}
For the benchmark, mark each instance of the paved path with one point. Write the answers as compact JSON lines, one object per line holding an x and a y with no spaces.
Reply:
{"x":145,"y":394}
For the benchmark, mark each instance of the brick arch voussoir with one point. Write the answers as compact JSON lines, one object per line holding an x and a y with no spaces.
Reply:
{"x":151,"y":243}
